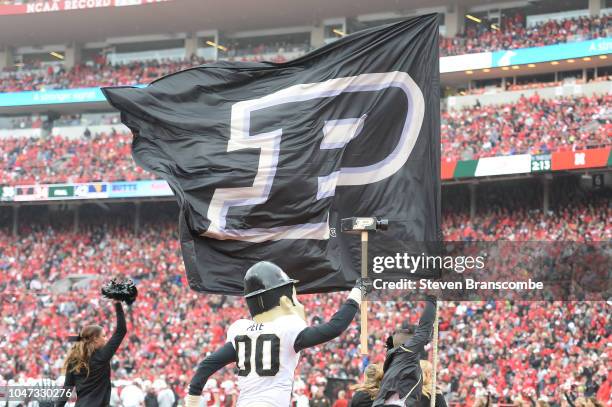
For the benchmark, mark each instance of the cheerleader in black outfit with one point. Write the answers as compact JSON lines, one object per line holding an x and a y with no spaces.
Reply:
{"x":87,"y":366}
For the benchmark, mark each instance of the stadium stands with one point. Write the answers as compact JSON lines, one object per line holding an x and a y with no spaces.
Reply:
{"x":518,"y":352}
{"x":509,"y":349}
{"x":532,"y":125}
{"x":480,"y":38}
{"x":91,"y":74}
{"x":514,"y":34}
{"x":101,"y":157}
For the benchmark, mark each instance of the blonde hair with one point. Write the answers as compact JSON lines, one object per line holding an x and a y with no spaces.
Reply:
{"x":81,"y":351}
{"x":373,"y":374}
{"x":426,"y":368}
{"x":580,"y":402}
{"x":592,"y":401}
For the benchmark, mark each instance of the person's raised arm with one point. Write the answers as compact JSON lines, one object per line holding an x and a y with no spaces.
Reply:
{"x":212,"y":363}
{"x":318,"y":334}
{"x":108,"y":350}
{"x":68,"y":385}
{"x":423,"y":333}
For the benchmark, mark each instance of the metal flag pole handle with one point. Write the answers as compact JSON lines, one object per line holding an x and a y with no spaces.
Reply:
{"x":434,"y":362}
{"x":364,"y":303}
{"x":363,"y":226}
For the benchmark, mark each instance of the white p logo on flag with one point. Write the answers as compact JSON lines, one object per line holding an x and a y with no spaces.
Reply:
{"x":336,"y":134}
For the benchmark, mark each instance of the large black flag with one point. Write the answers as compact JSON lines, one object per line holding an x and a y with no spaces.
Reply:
{"x":266,"y":158}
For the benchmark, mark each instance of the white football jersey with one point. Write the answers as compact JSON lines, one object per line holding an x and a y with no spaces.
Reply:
{"x":266,"y":359}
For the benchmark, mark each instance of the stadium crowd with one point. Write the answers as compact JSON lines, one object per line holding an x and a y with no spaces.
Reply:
{"x":95,"y":73}
{"x":97,"y":157}
{"x":477,"y":38}
{"x":516,"y":352}
{"x":50,"y":279}
{"x":531,"y":125}
{"x":514,"y":33}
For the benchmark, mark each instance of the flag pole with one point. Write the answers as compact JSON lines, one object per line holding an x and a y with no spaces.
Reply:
{"x":434,"y":362}
{"x":364,"y":302}
{"x":363,"y":225}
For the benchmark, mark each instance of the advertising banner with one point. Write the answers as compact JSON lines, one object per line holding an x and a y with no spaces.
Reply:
{"x":61,"y":191}
{"x":533,"y":55}
{"x":489,"y":166}
{"x":50,"y":97}
{"x":464,"y":62}
{"x":123,"y":189}
{"x":91,"y":190}
{"x":7,"y":193}
{"x":31,"y":193}
{"x":503,"y":165}
{"x":465,"y":169}
{"x":30,"y":98}
{"x":571,"y":160}
{"x":447,"y":169}
{"x":139,"y":189}
{"x":158,"y":188}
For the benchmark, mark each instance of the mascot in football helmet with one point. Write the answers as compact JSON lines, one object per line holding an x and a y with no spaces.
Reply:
{"x":267,"y":347}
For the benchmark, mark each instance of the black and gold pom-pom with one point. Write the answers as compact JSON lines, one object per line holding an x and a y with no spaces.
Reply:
{"x":120,"y":291}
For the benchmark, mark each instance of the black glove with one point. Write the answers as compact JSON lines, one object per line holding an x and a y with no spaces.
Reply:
{"x":120,"y":291}
{"x":389,"y":342}
{"x":364,"y":284}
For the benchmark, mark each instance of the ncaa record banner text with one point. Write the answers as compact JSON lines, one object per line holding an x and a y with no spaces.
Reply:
{"x":68,"y":5}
